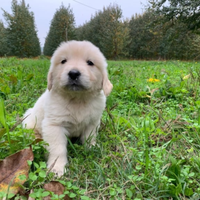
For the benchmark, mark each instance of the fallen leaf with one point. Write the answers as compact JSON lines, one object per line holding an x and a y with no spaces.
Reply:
{"x":14,"y":171}
{"x":56,"y":188}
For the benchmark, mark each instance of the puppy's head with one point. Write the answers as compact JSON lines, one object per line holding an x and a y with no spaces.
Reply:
{"x":78,"y":66}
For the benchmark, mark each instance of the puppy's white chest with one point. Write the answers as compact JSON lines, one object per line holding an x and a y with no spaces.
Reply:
{"x":76,"y":126}
{"x":76,"y":116}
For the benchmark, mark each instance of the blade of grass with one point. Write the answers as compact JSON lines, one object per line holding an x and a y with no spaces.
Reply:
{"x":3,"y":122}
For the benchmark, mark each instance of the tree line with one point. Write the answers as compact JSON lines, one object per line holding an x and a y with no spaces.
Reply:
{"x":163,"y":31}
{"x":20,"y":37}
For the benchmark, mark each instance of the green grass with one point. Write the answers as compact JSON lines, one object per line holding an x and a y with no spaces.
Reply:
{"x":148,"y":143}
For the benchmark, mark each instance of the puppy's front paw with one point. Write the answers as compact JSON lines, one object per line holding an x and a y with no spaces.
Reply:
{"x":58,"y":171}
{"x":57,"y":167}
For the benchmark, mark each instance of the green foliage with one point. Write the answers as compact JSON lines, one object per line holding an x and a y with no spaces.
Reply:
{"x":145,"y":36}
{"x":148,"y":142}
{"x":41,"y":175}
{"x":186,"y":12}
{"x":61,"y":29}
{"x":107,"y":30}
{"x":3,"y":46}
{"x":177,"y":42}
{"x":164,"y":31}
{"x":151,"y":39}
{"x":21,"y":36}
{"x":16,"y":81}
{"x":144,"y":40}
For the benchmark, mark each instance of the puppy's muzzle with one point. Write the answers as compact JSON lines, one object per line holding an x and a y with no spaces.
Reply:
{"x":74,"y":81}
{"x":74,"y":74}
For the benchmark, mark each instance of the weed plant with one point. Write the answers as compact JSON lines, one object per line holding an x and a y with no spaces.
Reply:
{"x":148,"y":143}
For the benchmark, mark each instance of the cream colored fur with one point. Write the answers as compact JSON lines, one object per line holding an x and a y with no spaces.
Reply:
{"x":64,"y":110}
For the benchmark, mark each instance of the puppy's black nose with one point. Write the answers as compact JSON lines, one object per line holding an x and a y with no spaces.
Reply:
{"x":74,"y":74}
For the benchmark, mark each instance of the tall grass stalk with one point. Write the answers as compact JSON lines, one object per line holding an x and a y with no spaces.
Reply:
{"x":4,"y":123}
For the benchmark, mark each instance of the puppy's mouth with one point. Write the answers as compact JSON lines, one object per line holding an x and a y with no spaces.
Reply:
{"x":75,"y":85}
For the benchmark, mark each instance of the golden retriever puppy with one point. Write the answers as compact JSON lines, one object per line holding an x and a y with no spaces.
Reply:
{"x":74,"y":101}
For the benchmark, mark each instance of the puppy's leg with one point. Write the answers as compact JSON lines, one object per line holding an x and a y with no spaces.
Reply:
{"x":90,"y":134}
{"x":56,"y":138}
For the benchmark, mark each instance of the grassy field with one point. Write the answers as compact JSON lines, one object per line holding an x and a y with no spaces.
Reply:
{"x":148,"y":143}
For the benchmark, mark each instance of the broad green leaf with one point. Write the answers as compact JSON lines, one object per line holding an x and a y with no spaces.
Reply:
{"x":2,"y":113}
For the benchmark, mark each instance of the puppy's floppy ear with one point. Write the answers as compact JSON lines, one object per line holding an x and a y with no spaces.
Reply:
{"x":107,"y":85}
{"x":50,"y":79}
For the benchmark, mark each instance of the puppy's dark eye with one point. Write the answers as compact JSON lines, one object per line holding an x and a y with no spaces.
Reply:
{"x":64,"y":61}
{"x":89,"y":62}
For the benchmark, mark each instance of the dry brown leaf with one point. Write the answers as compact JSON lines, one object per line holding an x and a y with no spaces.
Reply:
{"x":56,"y":188}
{"x":11,"y":168}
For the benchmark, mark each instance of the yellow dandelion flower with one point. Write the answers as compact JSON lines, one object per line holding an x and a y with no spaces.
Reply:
{"x":153,"y":80}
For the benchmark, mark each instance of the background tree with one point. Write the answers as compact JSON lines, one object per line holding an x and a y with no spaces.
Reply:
{"x":62,"y":28}
{"x":112,"y":31}
{"x":187,"y":12}
{"x":151,"y":39}
{"x":3,"y":46}
{"x":177,"y":42}
{"x":21,"y":32}
{"x":107,"y":31}
{"x":142,"y":36}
